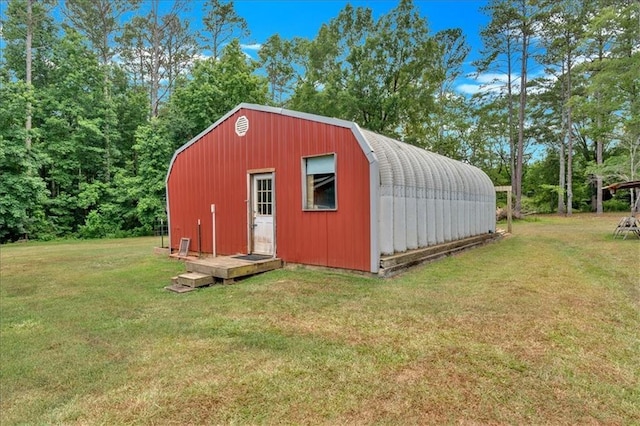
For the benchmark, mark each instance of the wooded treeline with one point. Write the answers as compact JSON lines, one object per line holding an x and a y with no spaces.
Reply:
{"x":96,"y":95}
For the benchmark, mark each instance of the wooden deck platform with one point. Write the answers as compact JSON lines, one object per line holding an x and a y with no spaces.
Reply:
{"x":228,"y":268}
{"x":396,"y":263}
{"x":220,"y":269}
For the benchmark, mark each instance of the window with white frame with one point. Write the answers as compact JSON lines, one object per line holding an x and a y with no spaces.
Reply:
{"x":319,"y":189}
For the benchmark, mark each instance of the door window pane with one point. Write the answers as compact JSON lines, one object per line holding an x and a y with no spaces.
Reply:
{"x":264,"y":197}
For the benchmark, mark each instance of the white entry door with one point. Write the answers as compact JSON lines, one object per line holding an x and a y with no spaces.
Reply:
{"x":262,"y":207}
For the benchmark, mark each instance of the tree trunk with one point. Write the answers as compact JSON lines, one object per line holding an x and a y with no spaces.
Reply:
{"x":569,"y":141}
{"x":569,"y":164}
{"x":599,"y":207}
{"x":561,"y":179}
{"x":599,"y":149}
{"x":107,"y":136}
{"x":633,"y":150}
{"x":28,"y":43}
{"x":512,"y":144}
{"x":107,"y":98}
{"x":521,"y":123}
{"x":599,"y":138}
{"x":155,"y":59}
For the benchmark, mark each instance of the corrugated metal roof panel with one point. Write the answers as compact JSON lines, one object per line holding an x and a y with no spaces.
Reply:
{"x":426,"y":198}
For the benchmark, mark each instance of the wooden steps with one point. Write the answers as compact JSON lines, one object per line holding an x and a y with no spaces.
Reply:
{"x":178,"y":288}
{"x":195,"y":279}
{"x":189,"y":281}
{"x":396,"y":263}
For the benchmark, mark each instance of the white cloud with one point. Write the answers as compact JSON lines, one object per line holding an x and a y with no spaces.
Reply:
{"x":485,"y":82}
{"x":253,"y":46}
{"x":468,"y":89}
{"x":201,"y":57}
{"x":489,"y":82}
{"x":493,"y":78}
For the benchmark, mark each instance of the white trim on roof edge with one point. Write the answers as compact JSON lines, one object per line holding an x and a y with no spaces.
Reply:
{"x":374,"y":194}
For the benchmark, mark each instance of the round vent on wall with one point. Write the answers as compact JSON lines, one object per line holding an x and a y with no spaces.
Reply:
{"x":242,"y":126}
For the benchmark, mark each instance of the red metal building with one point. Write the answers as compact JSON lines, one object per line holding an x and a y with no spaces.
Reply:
{"x":305,"y":188}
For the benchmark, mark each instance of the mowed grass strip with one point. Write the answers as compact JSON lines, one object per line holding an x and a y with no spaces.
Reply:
{"x":542,"y":327}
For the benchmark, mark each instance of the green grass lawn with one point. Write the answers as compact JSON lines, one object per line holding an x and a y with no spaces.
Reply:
{"x":541,"y":327}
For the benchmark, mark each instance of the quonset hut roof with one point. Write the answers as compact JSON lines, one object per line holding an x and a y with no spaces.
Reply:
{"x":426,"y":198}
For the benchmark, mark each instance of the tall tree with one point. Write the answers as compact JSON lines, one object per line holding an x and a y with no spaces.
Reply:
{"x":562,"y":35}
{"x":488,"y":132}
{"x":276,"y":57}
{"x":548,"y":128}
{"x":514,"y":23}
{"x":22,"y":191}
{"x":157,"y":48}
{"x":154,"y":149}
{"x":449,"y":119}
{"x":29,"y":34}
{"x":608,"y":82}
{"x":28,"y":45}
{"x":222,"y":24}
{"x":596,"y":48}
{"x":499,"y":54}
{"x":213,"y":88}
{"x":99,"y":22}
{"x":527,"y":19}
{"x":614,"y":82}
{"x":27,"y":28}
{"x":73,"y":122}
{"x":381,"y":73}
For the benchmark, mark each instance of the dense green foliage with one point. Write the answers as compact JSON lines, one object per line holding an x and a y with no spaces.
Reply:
{"x":95,"y":96}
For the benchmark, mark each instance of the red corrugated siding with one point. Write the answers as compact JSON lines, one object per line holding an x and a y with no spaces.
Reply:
{"x":214,"y":171}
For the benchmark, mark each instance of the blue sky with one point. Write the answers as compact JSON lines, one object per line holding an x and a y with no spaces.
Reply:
{"x":303,"y":18}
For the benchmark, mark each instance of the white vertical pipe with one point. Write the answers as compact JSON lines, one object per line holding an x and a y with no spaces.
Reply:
{"x":213,"y":227}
